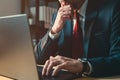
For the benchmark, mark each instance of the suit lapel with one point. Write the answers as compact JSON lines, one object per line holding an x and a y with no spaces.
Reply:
{"x":91,"y":14}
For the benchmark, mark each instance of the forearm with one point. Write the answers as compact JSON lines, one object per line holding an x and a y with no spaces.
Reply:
{"x":105,"y":66}
{"x":46,"y":47}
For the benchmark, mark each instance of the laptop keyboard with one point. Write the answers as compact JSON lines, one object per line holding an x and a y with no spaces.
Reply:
{"x":62,"y":75}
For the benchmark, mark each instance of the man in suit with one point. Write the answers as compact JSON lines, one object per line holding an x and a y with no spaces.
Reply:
{"x":100,"y":24}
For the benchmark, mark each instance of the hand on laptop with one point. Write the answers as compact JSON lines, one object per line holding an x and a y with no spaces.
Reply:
{"x":60,"y":62}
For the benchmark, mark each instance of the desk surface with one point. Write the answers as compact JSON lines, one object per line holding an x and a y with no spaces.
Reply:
{"x":4,"y":78}
{"x":87,"y":78}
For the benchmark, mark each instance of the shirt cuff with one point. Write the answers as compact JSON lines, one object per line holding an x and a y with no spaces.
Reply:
{"x":90,"y":67}
{"x":89,"y":71}
{"x":54,"y":36}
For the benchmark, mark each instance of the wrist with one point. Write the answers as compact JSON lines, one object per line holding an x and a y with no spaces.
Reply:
{"x":85,"y":67}
{"x":57,"y":27}
{"x":53,"y":36}
{"x":53,"y":31}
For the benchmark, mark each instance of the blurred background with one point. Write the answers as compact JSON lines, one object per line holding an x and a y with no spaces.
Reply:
{"x":39,"y":13}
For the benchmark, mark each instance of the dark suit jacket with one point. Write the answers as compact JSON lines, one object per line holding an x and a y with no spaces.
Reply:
{"x":102,"y":45}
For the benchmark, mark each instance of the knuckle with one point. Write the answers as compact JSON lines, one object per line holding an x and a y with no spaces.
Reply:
{"x":66,"y":63}
{"x":60,"y":9}
{"x":60,"y":57}
{"x":52,"y":62}
{"x":47,"y":61}
{"x":50,"y":57}
{"x":58,"y":67}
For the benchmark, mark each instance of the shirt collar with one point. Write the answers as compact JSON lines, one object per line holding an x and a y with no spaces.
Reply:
{"x":82,"y":10}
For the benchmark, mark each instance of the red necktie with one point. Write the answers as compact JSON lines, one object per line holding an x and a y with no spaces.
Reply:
{"x":77,"y":43}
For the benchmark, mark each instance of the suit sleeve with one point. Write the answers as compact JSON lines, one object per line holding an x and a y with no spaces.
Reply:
{"x":109,"y":66}
{"x":46,"y":46}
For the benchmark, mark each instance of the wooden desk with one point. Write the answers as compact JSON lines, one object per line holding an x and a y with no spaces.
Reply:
{"x":87,"y":78}
{"x":5,"y":78}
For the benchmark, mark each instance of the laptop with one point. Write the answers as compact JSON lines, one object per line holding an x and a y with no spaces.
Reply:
{"x":17,"y":59}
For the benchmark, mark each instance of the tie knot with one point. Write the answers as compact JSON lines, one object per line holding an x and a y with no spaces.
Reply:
{"x":75,"y":13}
